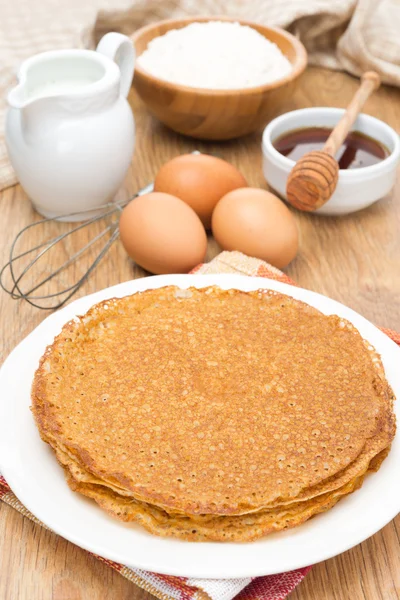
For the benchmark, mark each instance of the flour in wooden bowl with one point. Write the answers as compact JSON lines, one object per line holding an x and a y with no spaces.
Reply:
{"x":215,"y":55}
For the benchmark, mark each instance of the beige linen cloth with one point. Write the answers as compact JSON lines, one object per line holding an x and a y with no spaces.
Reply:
{"x":353,"y":35}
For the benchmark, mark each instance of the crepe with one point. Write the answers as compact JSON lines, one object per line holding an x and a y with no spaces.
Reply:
{"x":247,"y":527}
{"x":211,"y":406}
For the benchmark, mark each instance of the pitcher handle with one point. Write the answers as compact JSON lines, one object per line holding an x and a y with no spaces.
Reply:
{"x":120,"y":49}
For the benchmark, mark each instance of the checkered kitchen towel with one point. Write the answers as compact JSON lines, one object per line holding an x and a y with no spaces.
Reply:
{"x":354,"y":35}
{"x":271,"y":587}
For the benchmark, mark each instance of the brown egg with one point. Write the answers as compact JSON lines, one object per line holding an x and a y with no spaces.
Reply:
{"x":162,"y":234}
{"x":199,"y":180}
{"x":256,"y":223}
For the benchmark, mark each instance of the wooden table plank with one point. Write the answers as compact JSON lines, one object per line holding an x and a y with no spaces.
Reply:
{"x":354,"y":259}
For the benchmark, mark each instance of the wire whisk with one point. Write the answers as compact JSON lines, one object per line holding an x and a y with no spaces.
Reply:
{"x":19,"y":266}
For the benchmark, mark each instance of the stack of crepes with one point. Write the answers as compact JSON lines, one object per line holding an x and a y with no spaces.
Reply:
{"x":213,"y":415}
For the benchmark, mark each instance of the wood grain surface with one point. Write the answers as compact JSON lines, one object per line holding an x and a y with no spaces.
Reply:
{"x":354,"y":259}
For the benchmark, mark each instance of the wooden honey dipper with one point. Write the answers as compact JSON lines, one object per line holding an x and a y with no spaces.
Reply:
{"x":314,"y":177}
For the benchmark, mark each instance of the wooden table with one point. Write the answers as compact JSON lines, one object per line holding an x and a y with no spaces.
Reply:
{"x":354,"y":259}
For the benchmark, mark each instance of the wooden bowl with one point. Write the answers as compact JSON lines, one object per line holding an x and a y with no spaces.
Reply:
{"x":216,"y":114}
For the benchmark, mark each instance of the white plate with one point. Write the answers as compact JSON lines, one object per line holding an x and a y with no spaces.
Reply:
{"x":31,"y":469}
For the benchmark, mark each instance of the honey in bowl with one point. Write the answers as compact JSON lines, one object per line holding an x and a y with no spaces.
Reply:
{"x":357,"y":151}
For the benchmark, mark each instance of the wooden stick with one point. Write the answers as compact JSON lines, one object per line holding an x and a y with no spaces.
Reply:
{"x":370,"y":81}
{"x":314,"y":177}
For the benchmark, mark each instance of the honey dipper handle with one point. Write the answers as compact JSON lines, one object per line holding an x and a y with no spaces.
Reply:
{"x":370,"y":81}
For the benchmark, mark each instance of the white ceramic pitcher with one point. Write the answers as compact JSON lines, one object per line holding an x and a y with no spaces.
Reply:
{"x":70,"y":131}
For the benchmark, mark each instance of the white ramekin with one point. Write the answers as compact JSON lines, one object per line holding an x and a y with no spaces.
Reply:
{"x":356,"y":188}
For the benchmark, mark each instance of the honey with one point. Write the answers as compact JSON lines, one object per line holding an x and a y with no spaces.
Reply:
{"x":357,"y":151}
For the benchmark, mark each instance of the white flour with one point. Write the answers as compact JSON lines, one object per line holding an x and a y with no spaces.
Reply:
{"x":216,"y":55}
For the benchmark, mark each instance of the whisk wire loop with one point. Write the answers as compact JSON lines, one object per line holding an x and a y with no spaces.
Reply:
{"x":16,"y":291}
